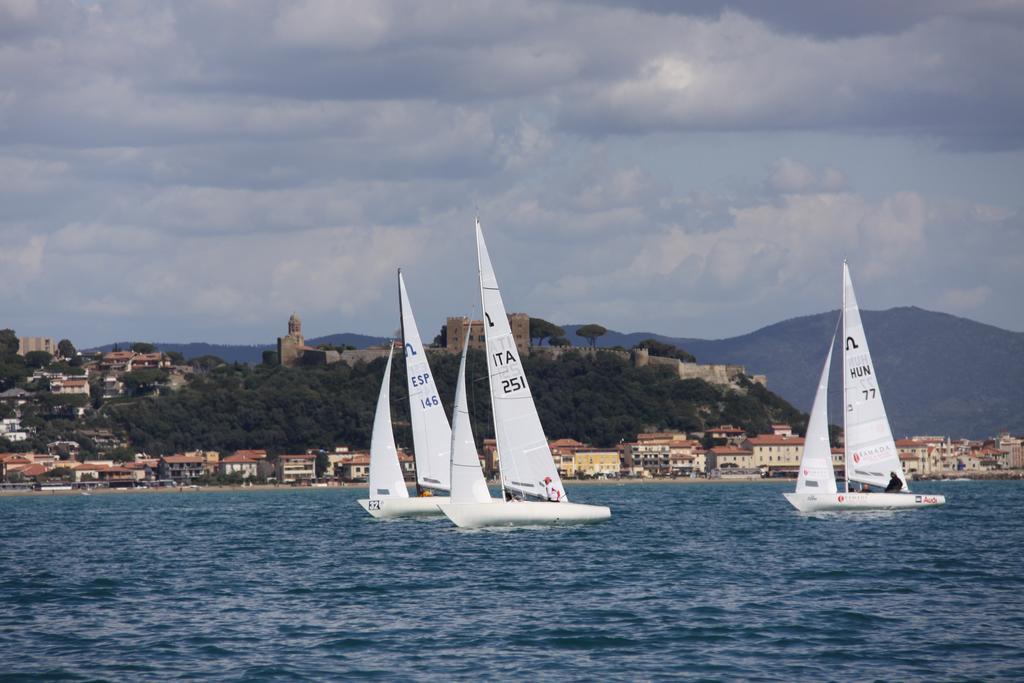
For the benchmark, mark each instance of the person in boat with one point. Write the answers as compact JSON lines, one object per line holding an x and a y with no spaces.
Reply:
{"x":553,"y":494}
{"x":895,"y":485}
{"x":864,"y":488}
{"x":511,"y":497}
{"x":426,"y":493}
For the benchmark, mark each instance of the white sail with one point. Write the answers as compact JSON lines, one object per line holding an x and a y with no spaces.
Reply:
{"x":468,"y":483}
{"x":386,"y":480}
{"x":522,"y":447}
{"x":431,"y":435}
{"x":870,"y":451}
{"x":816,"y":471}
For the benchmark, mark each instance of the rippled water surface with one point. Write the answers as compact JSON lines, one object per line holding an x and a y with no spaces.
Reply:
{"x":718,"y":581}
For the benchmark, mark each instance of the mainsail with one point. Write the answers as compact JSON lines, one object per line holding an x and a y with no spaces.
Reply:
{"x":522,"y":447}
{"x":431,"y":435}
{"x":870,"y":451}
{"x":468,"y":484}
{"x":386,"y":480}
{"x":816,"y":472}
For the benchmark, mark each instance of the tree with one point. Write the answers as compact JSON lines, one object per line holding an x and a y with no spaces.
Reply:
{"x":38,"y":359}
{"x":143,"y":347}
{"x":441,"y":340}
{"x":122,"y":455}
{"x":139,"y":382}
{"x":65,"y":349}
{"x":176,"y":357}
{"x":591,"y":332}
{"x":322,"y":463}
{"x":541,"y":329}
{"x":658,"y":348}
{"x":9,"y":344}
{"x":270,"y":357}
{"x":559,"y":341}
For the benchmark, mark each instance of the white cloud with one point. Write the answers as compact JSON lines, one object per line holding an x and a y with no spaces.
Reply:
{"x":183,"y":166}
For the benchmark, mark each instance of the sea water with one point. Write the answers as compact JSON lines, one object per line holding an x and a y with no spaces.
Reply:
{"x":715,"y":581}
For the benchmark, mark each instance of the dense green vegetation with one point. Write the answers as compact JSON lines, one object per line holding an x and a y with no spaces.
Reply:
{"x":597,"y":399}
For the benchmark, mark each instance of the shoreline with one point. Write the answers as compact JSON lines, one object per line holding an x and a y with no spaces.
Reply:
{"x":568,"y":482}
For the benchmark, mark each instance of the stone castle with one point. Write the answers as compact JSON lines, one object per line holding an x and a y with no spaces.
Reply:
{"x":292,"y":351}
{"x":460,"y":326}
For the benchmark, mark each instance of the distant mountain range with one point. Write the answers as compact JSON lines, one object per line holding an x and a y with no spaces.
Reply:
{"x":939,"y":374}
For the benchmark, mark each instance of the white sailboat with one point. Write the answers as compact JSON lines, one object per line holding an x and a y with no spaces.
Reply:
{"x":468,"y":483}
{"x":387,"y":485}
{"x":431,"y":434}
{"x":870,"y":452}
{"x":527,"y":469}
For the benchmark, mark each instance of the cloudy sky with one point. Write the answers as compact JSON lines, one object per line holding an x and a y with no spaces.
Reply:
{"x":187,"y":171}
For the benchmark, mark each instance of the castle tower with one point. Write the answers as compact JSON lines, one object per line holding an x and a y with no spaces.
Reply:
{"x":295,"y":327}
{"x":290,"y":348}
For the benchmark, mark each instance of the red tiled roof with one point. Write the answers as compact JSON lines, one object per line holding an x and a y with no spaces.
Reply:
{"x":256,"y":453}
{"x":240,"y":458}
{"x":183,"y":459}
{"x":726,"y":429}
{"x":34,"y":470}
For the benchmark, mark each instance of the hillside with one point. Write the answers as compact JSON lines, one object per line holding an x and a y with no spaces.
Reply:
{"x":939,"y":374}
{"x":595,"y":399}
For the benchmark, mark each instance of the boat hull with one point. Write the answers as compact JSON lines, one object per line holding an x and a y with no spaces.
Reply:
{"x":391,"y":508}
{"x":830,"y":502}
{"x":520,"y":513}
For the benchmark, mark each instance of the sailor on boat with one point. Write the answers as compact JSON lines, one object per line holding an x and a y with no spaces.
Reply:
{"x":553,"y":494}
{"x":895,"y":485}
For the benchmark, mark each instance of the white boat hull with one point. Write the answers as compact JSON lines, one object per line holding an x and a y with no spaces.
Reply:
{"x":391,"y":508}
{"x":522,"y":513}
{"x":830,"y":502}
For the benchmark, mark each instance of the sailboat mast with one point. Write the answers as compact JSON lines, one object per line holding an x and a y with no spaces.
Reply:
{"x":401,"y":325}
{"x":846,"y":442}
{"x":469,"y":328}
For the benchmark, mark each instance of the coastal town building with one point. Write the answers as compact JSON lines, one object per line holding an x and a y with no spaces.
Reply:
{"x":296,"y":468}
{"x":776,"y":453}
{"x":731,"y":460}
{"x":598,"y":463}
{"x":726,"y":435}
{"x":247,"y":468}
{"x":70,"y":386}
{"x":181,"y":469}
{"x":356,"y":468}
{"x":27,"y":345}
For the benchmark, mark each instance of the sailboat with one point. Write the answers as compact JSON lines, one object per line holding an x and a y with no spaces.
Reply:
{"x":528,"y":471}
{"x":468,"y":483}
{"x":388,"y":492}
{"x":869,"y":450}
{"x":431,"y":434}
